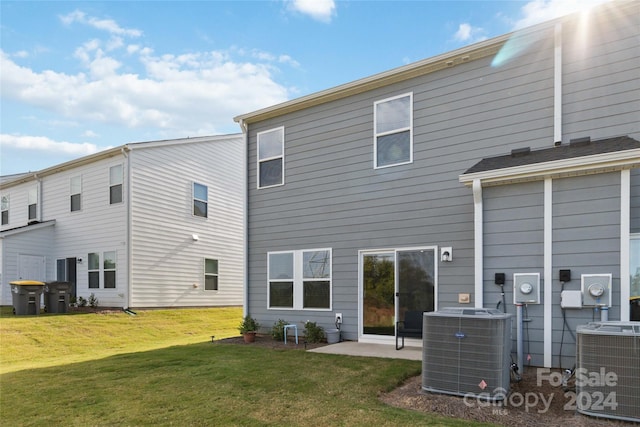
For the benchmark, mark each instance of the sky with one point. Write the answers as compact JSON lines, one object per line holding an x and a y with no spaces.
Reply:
{"x":81,"y":77}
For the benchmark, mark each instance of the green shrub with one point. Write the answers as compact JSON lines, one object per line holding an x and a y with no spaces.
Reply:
{"x":313,"y":332}
{"x":248,"y":324}
{"x":277,"y":331}
{"x":93,"y":301}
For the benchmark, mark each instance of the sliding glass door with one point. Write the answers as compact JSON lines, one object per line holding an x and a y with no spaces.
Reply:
{"x":394,"y":282}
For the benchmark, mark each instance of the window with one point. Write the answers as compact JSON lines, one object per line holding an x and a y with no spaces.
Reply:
{"x":61,"y":270}
{"x":210,"y":274}
{"x":94,"y":270}
{"x":5,"y":210}
{"x":393,"y":118}
{"x":75,"y":188}
{"x":200,"y":200}
{"x":109,"y":271}
{"x":271,"y":158}
{"x":33,"y":203}
{"x":115,"y":184}
{"x":300,"y":280}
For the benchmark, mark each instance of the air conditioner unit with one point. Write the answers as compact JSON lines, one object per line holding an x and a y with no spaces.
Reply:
{"x":467,"y":352}
{"x":608,"y":370}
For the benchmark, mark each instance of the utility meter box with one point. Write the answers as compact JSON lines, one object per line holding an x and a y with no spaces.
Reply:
{"x":596,"y":290}
{"x":526,"y":288}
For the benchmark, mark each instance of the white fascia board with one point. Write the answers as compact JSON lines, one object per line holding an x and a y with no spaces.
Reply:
{"x":27,"y":228}
{"x":598,"y":163}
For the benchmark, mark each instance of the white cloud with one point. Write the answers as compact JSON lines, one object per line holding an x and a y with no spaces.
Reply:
{"x":468,"y":33}
{"x":90,"y":134}
{"x":107,"y":25}
{"x":537,"y":11}
{"x":320,"y":10}
{"x":44,"y":144}
{"x":177,"y":94}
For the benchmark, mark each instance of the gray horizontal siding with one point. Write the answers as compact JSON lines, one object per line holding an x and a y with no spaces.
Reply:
{"x":333,"y":197}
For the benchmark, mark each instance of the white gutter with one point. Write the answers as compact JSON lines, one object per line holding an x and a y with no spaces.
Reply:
{"x":129,"y":248}
{"x":575,"y":166}
{"x":557,"y":85}
{"x":479,"y":243}
{"x":245,"y":213}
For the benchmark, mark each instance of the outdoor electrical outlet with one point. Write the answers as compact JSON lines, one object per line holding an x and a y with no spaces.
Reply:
{"x":338,"y":317}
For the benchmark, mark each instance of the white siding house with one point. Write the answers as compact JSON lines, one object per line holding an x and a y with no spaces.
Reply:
{"x":151,"y":224}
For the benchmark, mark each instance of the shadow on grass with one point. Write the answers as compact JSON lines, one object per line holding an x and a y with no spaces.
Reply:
{"x":212,"y":384}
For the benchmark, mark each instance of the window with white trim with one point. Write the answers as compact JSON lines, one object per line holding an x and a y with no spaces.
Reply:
{"x":300,"y":280}
{"x":5,"y":210}
{"x":94,"y":270}
{"x":393,"y":131}
{"x":200,"y":200}
{"x":271,"y":158}
{"x":75,"y":190}
{"x":109,"y":270}
{"x":33,"y":204}
{"x":115,"y":184}
{"x":210,"y":274}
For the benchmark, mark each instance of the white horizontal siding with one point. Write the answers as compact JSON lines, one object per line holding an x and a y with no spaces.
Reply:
{"x":166,"y":261}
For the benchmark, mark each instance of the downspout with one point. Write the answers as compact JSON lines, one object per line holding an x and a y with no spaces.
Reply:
{"x":557,"y":85}
{"x":38,"y":196}
{"x":479,"y":244}
{"x":245,"y":213}
{"x":625,"y":243}
{"x":127,"y":301}
{"x":548,"y":272}
{"x":548,"y":202}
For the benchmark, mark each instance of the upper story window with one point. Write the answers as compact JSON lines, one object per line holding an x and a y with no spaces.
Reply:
{"x":5,"y":210}
{"x":271,"y":158}
{"x":210,"y":274}
{"x":75,"y":188}
{"x":115,"y":184}
{"x":33,"y":203}
{"x":393,"y":118}
{"x":300,"y":280}
{"x":200,"y":200}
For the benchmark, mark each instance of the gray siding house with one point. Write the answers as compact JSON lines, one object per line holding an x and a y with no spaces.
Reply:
{"x":148,"y":224}
{"x":410,"y":189}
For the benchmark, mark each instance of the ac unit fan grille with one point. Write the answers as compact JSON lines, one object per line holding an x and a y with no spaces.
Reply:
{"x":601,"y":354}
{"x":466,"y":355}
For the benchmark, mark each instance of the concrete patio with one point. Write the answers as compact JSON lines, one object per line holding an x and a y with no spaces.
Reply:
{"x":354,"y":348}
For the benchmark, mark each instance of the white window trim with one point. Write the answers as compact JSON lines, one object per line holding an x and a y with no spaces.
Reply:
{"x":5,"y":208}
{"x":259,"y":160}
{"x":101,"y":270}
{"x":32,"y":193}
{"x":194,"y":198}
{"x":398,"y":130}
{"x":120,"y":183}
{"x":71,"y":193}
{"x":298,"y":280}
{"x":205,"y":274}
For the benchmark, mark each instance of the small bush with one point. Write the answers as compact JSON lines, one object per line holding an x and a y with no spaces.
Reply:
{"x":277,"y":331}
{"x":313,"y":332}
{"x":93,"y":301}
{"x":82,"y":302}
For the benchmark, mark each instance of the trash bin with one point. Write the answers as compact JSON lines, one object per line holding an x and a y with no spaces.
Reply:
{"x":57,"y":296}
{"x":26,"y":296}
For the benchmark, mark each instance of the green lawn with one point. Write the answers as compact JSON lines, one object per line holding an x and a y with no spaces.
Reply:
{"x":161,"y":368}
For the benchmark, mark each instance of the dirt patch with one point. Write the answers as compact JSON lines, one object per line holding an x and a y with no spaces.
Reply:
{"x":514,"y":412}
{"x":268,"y":342}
